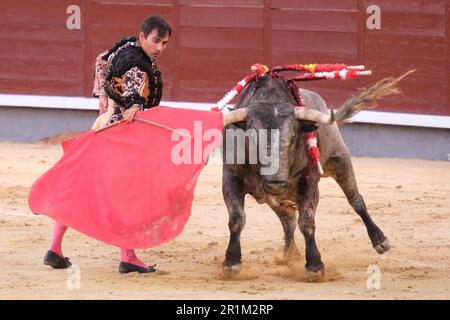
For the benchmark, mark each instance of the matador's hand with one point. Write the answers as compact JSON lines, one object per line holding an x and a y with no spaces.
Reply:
{"x":129,"y":114}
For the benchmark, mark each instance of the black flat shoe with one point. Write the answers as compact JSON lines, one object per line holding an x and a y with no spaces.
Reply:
{"x":55,"y":261}
{"x":125,"y":267}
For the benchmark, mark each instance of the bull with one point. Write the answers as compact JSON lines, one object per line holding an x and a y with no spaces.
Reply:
{"x":292,"y":191}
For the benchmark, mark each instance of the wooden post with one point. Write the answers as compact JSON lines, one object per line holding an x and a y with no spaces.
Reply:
{"x":267,"y":32}
{"x":88,"y":71}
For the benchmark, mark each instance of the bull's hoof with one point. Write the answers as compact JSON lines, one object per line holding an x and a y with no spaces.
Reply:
{"x":315,"y":275}
{"x":231,"y":271}
{"x":383,"y":247}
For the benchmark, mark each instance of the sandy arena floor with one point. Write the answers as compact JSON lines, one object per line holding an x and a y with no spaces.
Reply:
{"x":408,"y":199}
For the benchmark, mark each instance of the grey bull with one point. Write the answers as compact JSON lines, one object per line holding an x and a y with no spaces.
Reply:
{"x":292,"y":191}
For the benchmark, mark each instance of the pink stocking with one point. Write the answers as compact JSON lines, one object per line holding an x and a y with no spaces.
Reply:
{"x":57,"y":237}
{"x":129,"y":256}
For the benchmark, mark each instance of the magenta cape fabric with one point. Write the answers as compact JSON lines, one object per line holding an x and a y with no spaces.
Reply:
{"x":121,"y":186}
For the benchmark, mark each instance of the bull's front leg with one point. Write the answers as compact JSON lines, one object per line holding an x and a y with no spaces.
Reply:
{"x":308,"y":198}
{"x":233,"y":194}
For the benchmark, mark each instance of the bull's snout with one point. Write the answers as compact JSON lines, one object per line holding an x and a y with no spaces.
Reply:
{"x":275,"y":187}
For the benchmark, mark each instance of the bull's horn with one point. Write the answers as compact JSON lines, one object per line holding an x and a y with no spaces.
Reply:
{"x":314,"y":115}
{"x":235,"y":116}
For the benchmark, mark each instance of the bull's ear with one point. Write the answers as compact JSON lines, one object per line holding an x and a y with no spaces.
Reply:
{"x":307,"y":126}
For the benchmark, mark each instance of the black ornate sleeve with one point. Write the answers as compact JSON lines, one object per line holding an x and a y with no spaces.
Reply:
{"x":135,"y":81}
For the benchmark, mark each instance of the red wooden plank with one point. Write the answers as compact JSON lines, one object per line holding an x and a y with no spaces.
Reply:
{"x":37,"y":30}
{"x":205,"y":86}
{"x":199,"y":95}
{"x":223,"y":3}
{"x":37,"y":50}
{"x":221,"y":17}
{"x":43,"y":9}
{"x":194,"y":37}
{"x":229,"y":78}
{"x":408,"y":6}
{"x":225,"y":54}
{"x":160,"y":3}
{"x":195,"y":91}
{"x":412,"y":106}
{"x":400,"y":47}
{"x":283,"y":57}
{"x":48,"y":22}
{"x":41,"y":87}
{"x":316,"y":4}
{"x":41,"y":50}
{"x":330,"y":91}
{"x":335,"y":42}
{"x":400,"y":66}
{"x":126,"y":14}
{"x":307,"y":20}
{"x":13,"y":69}
{"x":416,"y":24}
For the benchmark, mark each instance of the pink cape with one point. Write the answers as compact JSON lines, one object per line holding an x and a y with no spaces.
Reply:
{"x":121,"y":185}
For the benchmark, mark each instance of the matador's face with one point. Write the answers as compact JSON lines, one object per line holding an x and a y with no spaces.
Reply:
{"x":153,"y":45}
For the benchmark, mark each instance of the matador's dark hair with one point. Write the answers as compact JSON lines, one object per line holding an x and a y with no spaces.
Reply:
{"x":158,"y":23}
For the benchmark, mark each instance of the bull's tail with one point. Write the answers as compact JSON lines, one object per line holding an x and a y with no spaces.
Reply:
{"x":368,"y":98}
